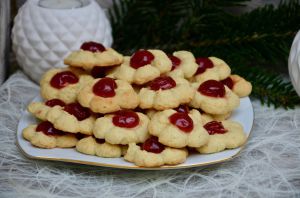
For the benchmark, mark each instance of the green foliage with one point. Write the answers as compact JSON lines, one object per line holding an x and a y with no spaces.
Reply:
{"x":248,"y":42}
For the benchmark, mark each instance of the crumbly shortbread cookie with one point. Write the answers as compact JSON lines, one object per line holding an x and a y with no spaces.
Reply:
{"x":238,"y":85}
{"x":214,"y":98}
{"x":122,"y":127}
{"x":182,"y":109}
{"x":142,"y":67}
{"x":71,"y":118}
{"x":107,"y":95}
{"x":154,"y":154}
{"x":41,"y":109}
{"x":93,"y":54}
{"x":223,"y":135}
{"x":150,"y":113}
{"x":45,"y":135}
{"x":165,"y":92}
{"x":63,"y":84}
{"x":177,"y":129}
{"x":211,"y":68}
{"x":92,"y":146}
{"x":183,"y":64}
{"x":210,"y":117}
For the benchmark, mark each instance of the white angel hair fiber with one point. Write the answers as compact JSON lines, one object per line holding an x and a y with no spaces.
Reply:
{"x":269,"y":166}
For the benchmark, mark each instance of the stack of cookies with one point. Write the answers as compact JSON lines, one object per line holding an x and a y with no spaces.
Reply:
{"x":150,"y":107}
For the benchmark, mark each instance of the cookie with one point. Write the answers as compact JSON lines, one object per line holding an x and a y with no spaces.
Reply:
{"x":44,"y":135}
{"x":142,"y":67}
{"x":41,"y":109}
{"x":92,"y":146}
{"x":214,"y":98}
{"x":211,"y":68}
{"x":183,"y":64}
{"x":150,"y":113}
{"x":209,"y":117}
{"x":223,"y":135}
{"x":63,"y":84}
{"x":93,"y":54}
{"x":165,"y":92}
{"x":238,"y":85}
{"x":72,"y":118}
{"x":122,"y":127}
{"x":178,"y":129}
{"x":106,"y":95}
{"x":153,"y":154}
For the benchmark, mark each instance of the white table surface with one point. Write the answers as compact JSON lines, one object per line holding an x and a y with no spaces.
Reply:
{"x":269,"y":166}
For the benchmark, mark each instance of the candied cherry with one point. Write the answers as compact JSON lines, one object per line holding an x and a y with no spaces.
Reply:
{"x":152,"y":145}
{"x":100,"y":72}
{"x":182,"y":121}
{"x":183,"y":109}
{"x":212,"y":88}
{"x":175,"y":61}
{"x":126,"y":119}
{"x":228,"y":82}
{"x":92,"y":47}
{"x":55,"y":102}
{"x":214,"y":127}
{"x":78,"y":111}
{"x":62,"y":79}
{"x":163,"y":83}
{"x":141,"y":58}
{"x":203,"y":64}
{"x":48,"y":129}
{"x":105,"y":87}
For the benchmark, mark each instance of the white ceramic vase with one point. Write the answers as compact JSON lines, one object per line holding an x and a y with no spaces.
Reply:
{"x":43,"y":37}
{"x":294,"y":63}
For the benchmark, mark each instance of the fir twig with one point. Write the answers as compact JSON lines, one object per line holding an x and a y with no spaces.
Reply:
{"x":271,"y":88}
{"x":249,"y":42}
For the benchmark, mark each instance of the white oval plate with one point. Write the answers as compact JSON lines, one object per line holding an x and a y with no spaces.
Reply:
{"x":243,"y":114}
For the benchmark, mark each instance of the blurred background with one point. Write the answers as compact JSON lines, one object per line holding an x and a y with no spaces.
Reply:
{"x":9,"y":9}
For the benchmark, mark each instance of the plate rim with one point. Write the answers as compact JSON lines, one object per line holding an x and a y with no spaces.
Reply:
{"x":133,"y":167}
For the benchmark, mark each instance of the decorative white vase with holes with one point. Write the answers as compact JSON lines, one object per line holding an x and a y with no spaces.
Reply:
{"x":46,"y":31}
{"x":294,"y":63}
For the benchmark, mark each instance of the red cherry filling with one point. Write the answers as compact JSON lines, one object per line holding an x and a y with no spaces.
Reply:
{"x":92,"y":47}
{"x":48,"y":129}
{"x":105,"y":88}
{"x":126,"y":119}
{"x":100,"y":72}
{"x":54,"y":102}
{"x":175,"y":61}
{"x":183,"y":109}
{"x":182,"y":121}
{"x":212,"y":88}
{"x":62,"y":79}
{"x":100,"y":141}
{"x":214,"y":127}
{"x":79,"y":136}
{"x":152,"y":145}
{"x":203,"y":64}
{"x":141,"y":58}
{"x":163,"y":82}
{"x":78,"y":111}
{"x":228,"y":82}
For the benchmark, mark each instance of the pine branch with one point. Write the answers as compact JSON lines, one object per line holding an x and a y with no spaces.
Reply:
{"x":261,"y":38}
{"x":271,"y":88}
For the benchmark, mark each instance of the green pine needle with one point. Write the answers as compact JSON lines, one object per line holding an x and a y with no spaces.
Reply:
{"x":248,"y":42}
